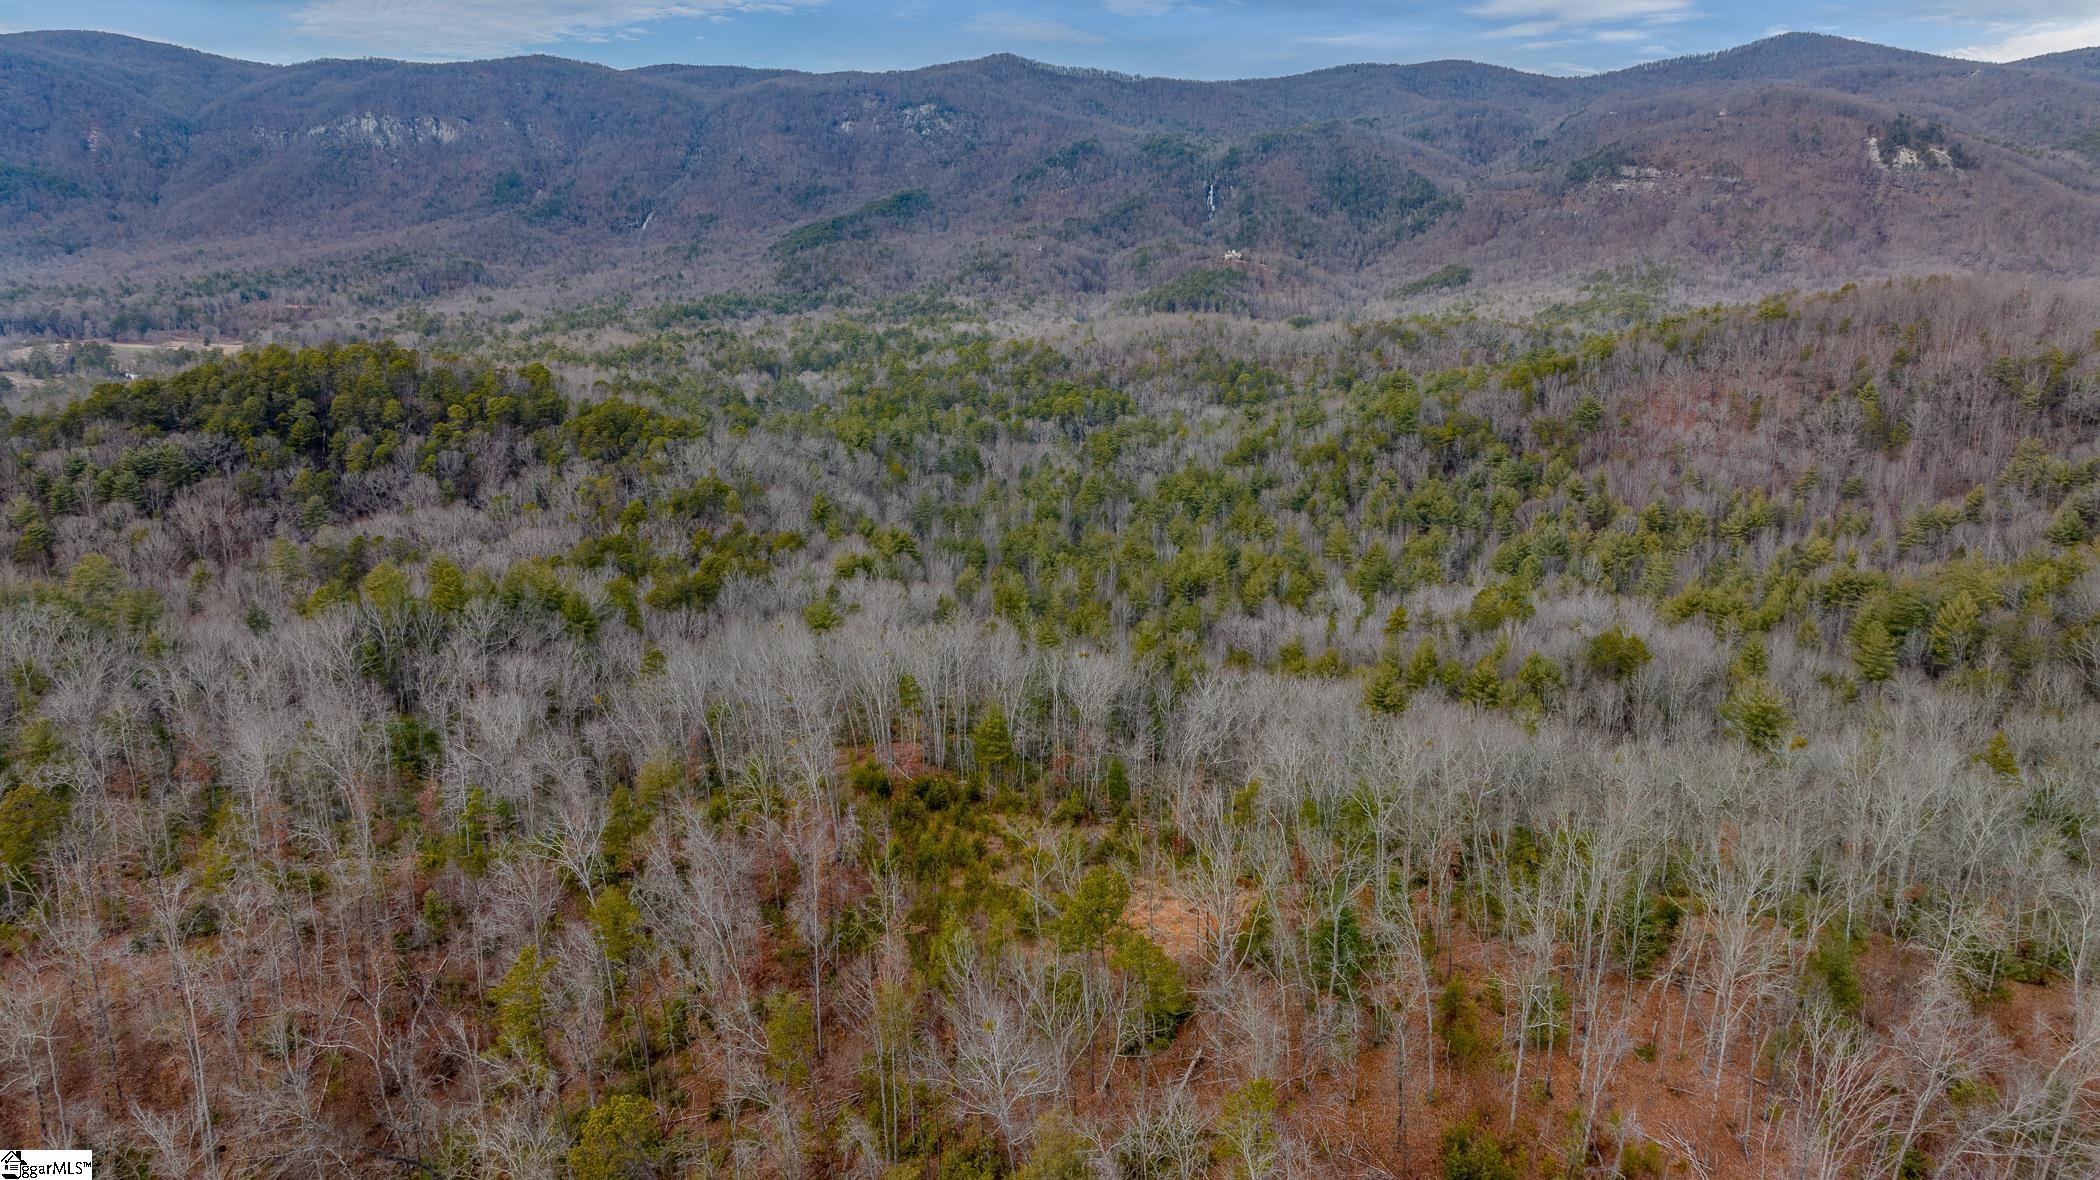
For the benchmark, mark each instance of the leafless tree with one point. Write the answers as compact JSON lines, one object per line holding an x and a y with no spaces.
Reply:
{"x":1002,"y":1063}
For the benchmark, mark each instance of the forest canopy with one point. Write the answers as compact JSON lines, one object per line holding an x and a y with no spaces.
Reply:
{"x":802,"y":742}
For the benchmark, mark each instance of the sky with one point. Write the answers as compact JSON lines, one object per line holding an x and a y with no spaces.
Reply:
{"x":1180,"y":38}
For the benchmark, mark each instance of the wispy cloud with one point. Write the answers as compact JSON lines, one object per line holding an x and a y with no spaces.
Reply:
{"x":1360,"y":40}
{"x":1140,"y":7}
{"x":1539,"y":18}
{"x":2006,"y":30}
{"x":1036,"y":30}
{"x":490,"y":28}
{"x":2014,"y":42}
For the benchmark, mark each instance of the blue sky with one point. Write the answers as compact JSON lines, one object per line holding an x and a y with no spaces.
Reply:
{"x":1185,"y":38}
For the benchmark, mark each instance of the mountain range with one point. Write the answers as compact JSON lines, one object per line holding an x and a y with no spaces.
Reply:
{"x":1793,"y":160}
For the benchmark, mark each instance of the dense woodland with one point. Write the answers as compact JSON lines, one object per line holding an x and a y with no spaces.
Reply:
{"x":149,"y":190}
{"x":696,"y":740}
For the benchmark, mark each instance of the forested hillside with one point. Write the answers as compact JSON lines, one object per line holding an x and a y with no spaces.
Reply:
{"x":667,"y":740}
{"x":146,"y":189}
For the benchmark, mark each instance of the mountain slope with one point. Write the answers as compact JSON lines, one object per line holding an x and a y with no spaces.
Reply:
{"x":1748,"y":166}
{"x":2077,"y":63}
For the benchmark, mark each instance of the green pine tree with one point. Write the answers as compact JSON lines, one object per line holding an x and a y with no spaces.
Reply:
{"x":386,"y":589}
{"x":1617,"y":654}
{"x":521,"y":1008}
{"x":1998,"y":757}
{"x":2070,"y":527}
{"x":1385,"y":689}
{"x":1483,"y":685}
{"x":447,"y":585}
{"x":616,"y":924}
{"x":1757,"y":713}
{"x":1116,"y":784}
{"x":991,"y":742}
{"x":1060,"y":1153}
{"x":1246,"y":1131}
{"x":621,"y":1139}
{"x":1873,"y":648}
{"x":821,"y":616}
{"x":1091,"y":910}
{"x":791,"y":1037}
{"x":1163,"y":999}
{"x":1954,"y":628}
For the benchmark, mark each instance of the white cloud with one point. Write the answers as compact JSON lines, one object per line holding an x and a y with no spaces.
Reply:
{"x":1364,"y":40}
{"x":1140,"y":7}
{"x":1007,"y":26}
{"x":491,"y":28}
{"x":2036,"y":39}
{"x":1537,"y":18}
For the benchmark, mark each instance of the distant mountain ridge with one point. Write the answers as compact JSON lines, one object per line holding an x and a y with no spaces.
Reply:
{"x":1751,"y":165}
